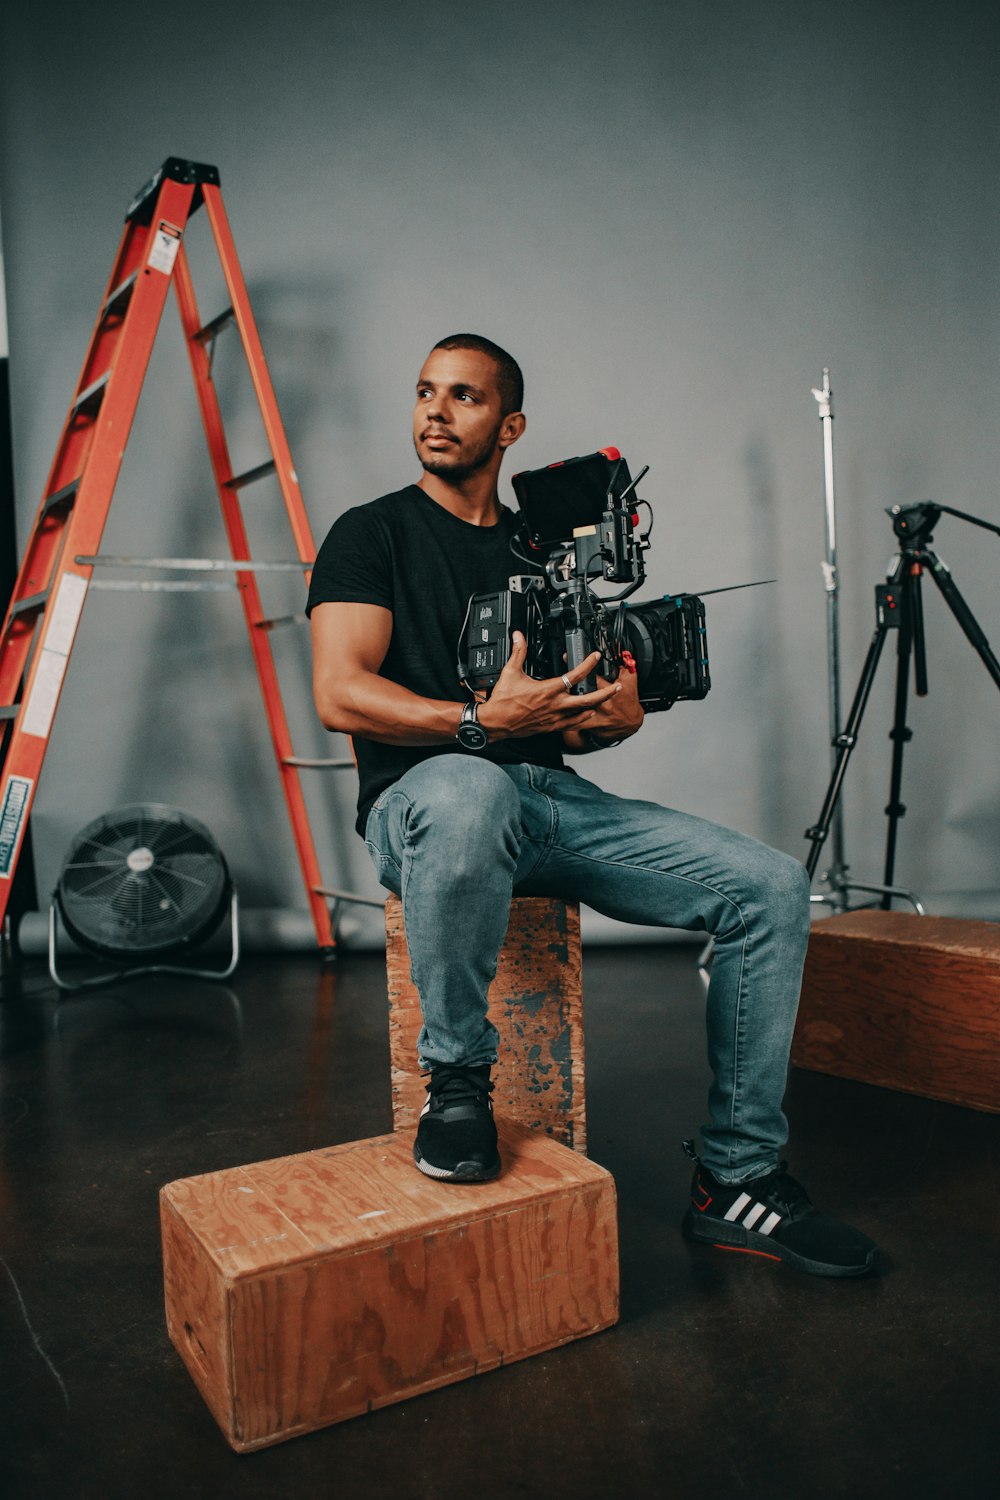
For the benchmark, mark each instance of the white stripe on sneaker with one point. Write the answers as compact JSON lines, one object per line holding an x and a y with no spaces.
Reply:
{"x":757,"y":1212}
{"x":737,"y":1207}
{"x":770,"y":1223}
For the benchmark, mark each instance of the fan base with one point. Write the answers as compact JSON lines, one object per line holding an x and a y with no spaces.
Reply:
{"x":118,"y":972}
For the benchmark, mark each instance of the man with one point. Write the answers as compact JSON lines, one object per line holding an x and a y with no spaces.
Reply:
{"x":462,"y":804}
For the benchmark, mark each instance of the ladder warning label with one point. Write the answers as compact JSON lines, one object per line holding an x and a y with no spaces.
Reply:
{"x":17,"y":794}
{"x":163,"y":249}
{"x":52,"y":663}
{"x":66,"y":613}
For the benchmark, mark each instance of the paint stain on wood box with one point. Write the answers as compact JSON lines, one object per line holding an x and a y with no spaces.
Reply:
{"x":905,"y":1002}
{"x":536,"y":1004}
{"x":313,"y":1288}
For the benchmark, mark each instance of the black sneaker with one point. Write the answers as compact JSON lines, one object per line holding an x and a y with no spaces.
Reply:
{"x":772,"y":1216}
{"x":457,"y":1138}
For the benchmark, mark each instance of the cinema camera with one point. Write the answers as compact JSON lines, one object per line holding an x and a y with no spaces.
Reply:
{"x":580,"y":521}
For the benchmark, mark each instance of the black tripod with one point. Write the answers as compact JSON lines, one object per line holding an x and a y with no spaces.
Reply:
{"x":899,"y":606}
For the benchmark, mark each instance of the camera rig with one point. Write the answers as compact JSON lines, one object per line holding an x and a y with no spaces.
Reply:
{"x":580,"y":519}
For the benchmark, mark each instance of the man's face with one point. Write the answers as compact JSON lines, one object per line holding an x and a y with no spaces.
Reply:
{"x":458,"y":424}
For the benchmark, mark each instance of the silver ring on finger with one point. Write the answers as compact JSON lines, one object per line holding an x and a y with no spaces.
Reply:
{"x":566,"y":683}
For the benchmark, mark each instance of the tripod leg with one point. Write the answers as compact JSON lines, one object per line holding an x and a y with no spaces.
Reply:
{"x":845,"y":743}
{"x":916,"y":600}
{"x":963,"y":614}
{"x":910,"y":625}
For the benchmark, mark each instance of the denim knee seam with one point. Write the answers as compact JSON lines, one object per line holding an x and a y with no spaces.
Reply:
{"x":615,"y":864}
{"x":739,"y":1034}
{"x":407,"y":865}
{"x":553,"y":819}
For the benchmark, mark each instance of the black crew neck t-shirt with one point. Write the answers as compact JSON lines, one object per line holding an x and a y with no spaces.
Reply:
{"x":411,"y":556}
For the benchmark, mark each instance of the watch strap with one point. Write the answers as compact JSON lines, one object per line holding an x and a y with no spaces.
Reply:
{"x":470,"y":734}
{"x":597,"y":743}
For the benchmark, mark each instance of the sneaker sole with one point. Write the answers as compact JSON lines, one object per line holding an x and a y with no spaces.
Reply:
{"x":723,"y":1236}
{"x":463,"y":1171}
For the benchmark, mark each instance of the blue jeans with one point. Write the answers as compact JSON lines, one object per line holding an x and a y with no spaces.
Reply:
{"x":456,"y":837}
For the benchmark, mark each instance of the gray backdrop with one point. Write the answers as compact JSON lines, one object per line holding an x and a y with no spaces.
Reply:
{"x":674,"y":215}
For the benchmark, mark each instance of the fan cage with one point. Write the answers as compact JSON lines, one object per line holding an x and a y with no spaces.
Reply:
{"x":145,"y":881}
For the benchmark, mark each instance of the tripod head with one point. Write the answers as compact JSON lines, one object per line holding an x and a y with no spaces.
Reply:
{"x":914,"y":524}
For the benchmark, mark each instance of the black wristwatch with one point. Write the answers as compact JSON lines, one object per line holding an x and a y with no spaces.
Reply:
{"x":471,"y":734}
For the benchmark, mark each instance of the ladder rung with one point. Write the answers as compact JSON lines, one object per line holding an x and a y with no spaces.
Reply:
{"x":193,"y":564}
{"x":9,"y":710}
{"x":91,"y":398}
{"x":216,"y":326}
{"x":328,"y":890}
{"x":299,"y":619}
{"x":316,"y":765}
{"x":163,"y":586}
{"x":33,"y":605}
{"x":121,"y":294}
{"x":239,"y":481}
{"x":63,"y":498}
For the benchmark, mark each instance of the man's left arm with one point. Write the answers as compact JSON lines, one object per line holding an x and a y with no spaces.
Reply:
{"x":617,"y":718}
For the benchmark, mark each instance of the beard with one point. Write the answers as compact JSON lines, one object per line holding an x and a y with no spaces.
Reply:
{"x":461,"y":466}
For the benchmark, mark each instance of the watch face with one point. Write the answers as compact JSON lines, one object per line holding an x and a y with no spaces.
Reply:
{"x":472,"y":736}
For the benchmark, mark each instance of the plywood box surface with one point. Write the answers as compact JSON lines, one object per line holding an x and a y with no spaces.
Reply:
{"x":906,"y":1002}
{"x":312,"y":1288}
{"x":536,"y":1004}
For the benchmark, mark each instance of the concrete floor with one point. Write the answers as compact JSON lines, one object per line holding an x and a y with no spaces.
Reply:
{"x":727,"y":1375}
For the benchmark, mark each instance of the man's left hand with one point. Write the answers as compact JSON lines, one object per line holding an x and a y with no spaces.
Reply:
{"x":617,"y":718}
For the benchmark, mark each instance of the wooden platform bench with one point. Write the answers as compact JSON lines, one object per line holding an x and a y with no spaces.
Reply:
{"x":313,"y":1288}
{"x":905,"y":1002}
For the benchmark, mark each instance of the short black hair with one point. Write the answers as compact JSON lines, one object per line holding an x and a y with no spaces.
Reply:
{"x":510,"y":381}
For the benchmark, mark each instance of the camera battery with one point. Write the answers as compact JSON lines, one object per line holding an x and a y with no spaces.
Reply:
{"x":492,"y":617}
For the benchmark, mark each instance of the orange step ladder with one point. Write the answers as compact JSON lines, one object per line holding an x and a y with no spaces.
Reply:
{"x":63,"y":548}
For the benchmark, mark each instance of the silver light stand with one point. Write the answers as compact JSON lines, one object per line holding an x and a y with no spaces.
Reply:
{"x":836,"y":875}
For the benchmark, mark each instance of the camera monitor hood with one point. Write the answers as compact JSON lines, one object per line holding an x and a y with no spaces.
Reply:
{"x":557,"y":500}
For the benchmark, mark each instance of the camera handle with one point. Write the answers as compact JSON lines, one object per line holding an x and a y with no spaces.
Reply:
{"x":573,"y":616}
{"x":575,"y":610}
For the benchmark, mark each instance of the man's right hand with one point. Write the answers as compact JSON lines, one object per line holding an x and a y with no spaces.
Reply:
{"x":520,"y":705}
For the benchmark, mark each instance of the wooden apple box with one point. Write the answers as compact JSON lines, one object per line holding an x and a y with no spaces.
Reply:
{"x":906,"y":1002}
{"x":312,"y":1288}
{"x":536,"y":1004}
